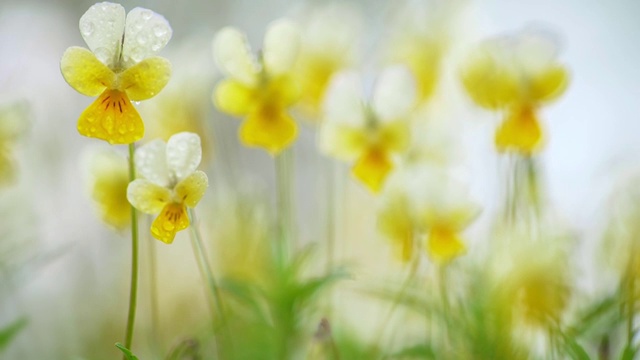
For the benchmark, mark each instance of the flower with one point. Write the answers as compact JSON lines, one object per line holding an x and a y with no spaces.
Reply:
{"x":14,"y":116}
{"x":516,"y":75}
{"x":370,"y":135}
{"x":260,"y":90}
{"x":169,"y":182}
{"x":108,"y":180}
{"x":120,"y":67}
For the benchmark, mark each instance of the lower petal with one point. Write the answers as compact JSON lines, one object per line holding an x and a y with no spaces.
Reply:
{"x":271,"y":129}
{"x":444,"y":245}
{"x":519,"y":132}
{"x":112,"y":118}
{"x":172,"y":219}
{"x":372,"y":169}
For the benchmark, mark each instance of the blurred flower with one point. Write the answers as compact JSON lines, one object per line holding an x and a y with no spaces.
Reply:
{"x":328,"y":45}
{"x":108,"y":180}
{"x":169,"y":183}
{"x":369,"y":134}
{"x":120,"y":67}
{"x":262,"y":90}
{"x":516,"y":75}
{"x":423,"y":201}
{"x":14,"y":122}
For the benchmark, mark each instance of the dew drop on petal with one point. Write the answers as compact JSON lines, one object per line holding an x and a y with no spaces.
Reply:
{"x":87,"y":28}
{"x":159,"y":30}
{"x":142,"y":39}
{"x":102,"y":54}
{"x":147,"y":14}
{"x":167,"y":226}
{"x":137,"y":55}
{"x":155,"y":47}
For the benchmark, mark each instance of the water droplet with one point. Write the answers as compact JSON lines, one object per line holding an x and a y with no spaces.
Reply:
{"x":87,"y":28}
{"x":138,"y":25}
{"x":136,"y":103}
{"x":103,"y":54}
{"x":93,"y":129}
{"x":142,"y":39}
{"x":159,"y":30}
{"x":137,"y":55}
{"x":167,"y":226}
{"x":156,"y":47}
{"x":122,"y":129}
{"x":91,"y":119}
{"x":146,"y":14}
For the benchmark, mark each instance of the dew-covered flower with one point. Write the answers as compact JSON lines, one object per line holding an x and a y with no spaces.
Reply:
{"x":169,"y":182}
{"x":259,"y":90}
{"x":516,"y":75}
{"x":14,"y":122}
{"x":120,"y":67}
{"x":108,"y":179}
{"x":369,"y":134}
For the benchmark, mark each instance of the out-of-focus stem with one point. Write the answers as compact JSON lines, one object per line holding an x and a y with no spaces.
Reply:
{"x":284,"y":184}
{"x":133,"y":293}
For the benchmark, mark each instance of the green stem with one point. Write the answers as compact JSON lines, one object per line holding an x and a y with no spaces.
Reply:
{"x":133,"y":293}
{"x":284,"y":175}
{"x":331,"y":224}
{"x":630,"y":308}
{"x":153,"y":292}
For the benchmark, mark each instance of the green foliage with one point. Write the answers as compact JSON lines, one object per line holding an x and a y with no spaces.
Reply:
{"x":8,"y":333}
{"x":127,"y":353}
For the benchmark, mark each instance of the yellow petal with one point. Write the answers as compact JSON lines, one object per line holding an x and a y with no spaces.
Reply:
{"x":192,"y":188}
{"x":112,"y":118}
{"x":234,"y":98}
{"x":424,"y":62}
{"x":7,"y":167}
{"x":283,"y":90}
{"x":148,"y":197}
{"x":549,"y":84}
{"x":519,"y":132}
{"x":342,"y":141}
{"x":394,"y":136}
{"x":146,"y":79}
{"x":490,"y":83}
{"x":444,"y":245}
{"x":84,"y":72}
{"x":109,"y":189}
{"x":395,"y":222}
{"x":172,"y":219}
{"x":270,"y":128}
{"x":313,"y":74}
{"x":372,"y":169}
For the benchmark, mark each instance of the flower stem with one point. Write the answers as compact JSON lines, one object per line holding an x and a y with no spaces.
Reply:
{"x":284,"y":176}
{"x":133,"y":293}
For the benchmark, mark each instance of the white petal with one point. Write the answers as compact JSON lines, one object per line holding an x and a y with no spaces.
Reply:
{"x":184,"y":153}
{"x":394,"y":94}
{"x":147,"y":197}
{"x":146,"y":33}
{"x":233,"y":56}
{"x":281,"y":46}
{"x":102,"y":27}
{"x":534,"y":49}
{"x":343,"y":102}
{"x":151,"y":162}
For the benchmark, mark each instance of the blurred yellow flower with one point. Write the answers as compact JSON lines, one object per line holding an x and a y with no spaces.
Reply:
{"x":369,"y":135}
{"x":14,"y":122}
{"x":262,"y":90}
{"x":108,"y":181}
{"x":120,"y":67}
{"x":516,"y":75}
{"x":169,"y":183}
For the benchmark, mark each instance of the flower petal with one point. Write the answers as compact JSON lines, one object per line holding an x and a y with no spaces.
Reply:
{"x":109,"y":180}
{"x":281,"y":47}
{"x":148,"y":197}
{"x":394,"y":94}
{"x":146,"y":79}
{"x":84,"y":72}
{"x":343,"y":102}
{"x":270,"y":129}
{"x":372,"y":169}
{"x":172,"y":219}
{"x":394,"y":136}
{"x":444,"y":245}
{"x":519,"y":132}
{"x":145,"y":34}
{"x":151,"y":162}
{"x":233,"y":56}
{"x":184,"y":153}
{"x":234,"y":98}
{"x":548,"y":84}
{"x":192,"y":188}
{"x":344,"y":142}
{"x":112,"y":118}
{"x":102,"y":27}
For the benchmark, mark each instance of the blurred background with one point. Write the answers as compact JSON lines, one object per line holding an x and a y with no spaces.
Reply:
{"x":67,"y":273}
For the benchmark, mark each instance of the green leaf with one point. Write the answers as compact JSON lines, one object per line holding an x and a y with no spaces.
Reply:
{"x":628,"y":353}
{"x":127,"y":353}
{"x":420,"y":351}
{"x":8,"y":333}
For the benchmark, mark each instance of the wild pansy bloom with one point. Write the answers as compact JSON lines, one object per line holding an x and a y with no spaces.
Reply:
{"x":368,"y":134}
{"x":424,"y":203}
{"x":108,"y":179}
{"x":259,"y":90}
{"x":516,"y":75}
{"x":14,"y":122}
{"x":119,"y":67}
{"x":169,"y":183}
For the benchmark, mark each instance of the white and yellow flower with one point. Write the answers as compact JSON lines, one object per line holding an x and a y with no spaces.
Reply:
{"x":516,"y":75}
{"x":371,"y":135}
{"x":259,"y":90}
{"x":120,"y":66}
{"x":170,"y":183}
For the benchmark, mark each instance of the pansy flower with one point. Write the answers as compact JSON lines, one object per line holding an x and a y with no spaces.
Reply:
{"x":516,"y":76}
{"x":259,"y":90}
{"x":120,"y":67}
{"x":169,"y":182}
{"x":368,"y":134}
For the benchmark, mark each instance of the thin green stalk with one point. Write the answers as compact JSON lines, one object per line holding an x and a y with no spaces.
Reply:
{"x":630,"y":308}
{"x":330,"y":224}
{"x":153,"y":294}
{"x":284,"y":183}
{"x":133,"y":293}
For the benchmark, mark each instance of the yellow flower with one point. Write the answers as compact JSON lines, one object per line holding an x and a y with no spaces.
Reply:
{"x":260,"y":91}
{"x":169,"y":183}
{"x":120,"y":67}
{"x":516,"y":75}
{"x":108,"y":181}
{"x":14,"y":122}
{"x":369,"y":135}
